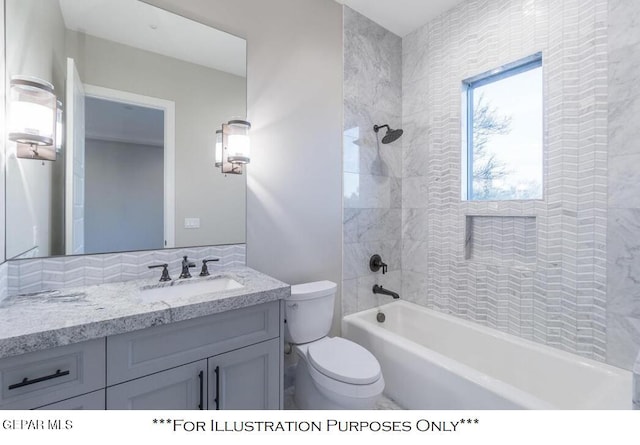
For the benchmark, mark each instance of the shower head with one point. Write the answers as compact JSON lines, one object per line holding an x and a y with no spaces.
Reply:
{"x":391,"y":135}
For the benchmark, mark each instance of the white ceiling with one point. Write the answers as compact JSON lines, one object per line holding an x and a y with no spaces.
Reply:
{"x":119,"y":122}
{"x":401,"y":16}
{"x":137,"y":24}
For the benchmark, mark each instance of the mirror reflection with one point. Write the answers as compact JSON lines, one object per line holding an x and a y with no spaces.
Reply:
{"x":141,"y":92}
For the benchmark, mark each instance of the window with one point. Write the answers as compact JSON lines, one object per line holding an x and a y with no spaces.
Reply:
{"x":503,"y":151}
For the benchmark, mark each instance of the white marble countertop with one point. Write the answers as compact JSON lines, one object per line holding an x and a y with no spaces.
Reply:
{"x":44,"y":320}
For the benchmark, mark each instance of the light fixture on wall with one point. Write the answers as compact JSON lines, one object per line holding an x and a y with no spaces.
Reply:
{"x":218,"y":152}
{"x":32,"y":117}
{"x":236,"y":146}
{"x":59,"y":131}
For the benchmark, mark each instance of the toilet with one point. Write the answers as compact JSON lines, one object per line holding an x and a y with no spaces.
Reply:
{"x":332,"y":372}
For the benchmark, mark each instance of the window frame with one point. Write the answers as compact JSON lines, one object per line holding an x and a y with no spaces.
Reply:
{"x":511,"y":69}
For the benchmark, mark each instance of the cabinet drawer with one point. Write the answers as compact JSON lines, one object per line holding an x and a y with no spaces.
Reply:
{"x":136,"y":354}
{"x":43,"y":377}
{"x":92,"y":401}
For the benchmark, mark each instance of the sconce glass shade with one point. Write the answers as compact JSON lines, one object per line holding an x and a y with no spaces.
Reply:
{"x":238,"y":142}
{"x":32,"y":111}
{"x":218,"y":152}
{"x":59,"y":130}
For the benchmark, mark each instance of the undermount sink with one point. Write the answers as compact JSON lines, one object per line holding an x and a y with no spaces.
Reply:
{"x":186,"y":289}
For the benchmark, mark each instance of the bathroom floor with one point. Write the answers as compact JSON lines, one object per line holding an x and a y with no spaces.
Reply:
{"x":383,"y":404}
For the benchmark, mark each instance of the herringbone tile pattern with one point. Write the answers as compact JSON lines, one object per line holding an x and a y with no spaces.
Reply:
{"x":33,"y":275}
{"x":536,"y":269}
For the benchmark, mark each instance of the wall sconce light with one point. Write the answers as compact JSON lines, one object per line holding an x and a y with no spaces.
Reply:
{"x":32,"y":117}
{"x":236,"y":146}
{"x":59,"y":131}
{"x":218,"y":152}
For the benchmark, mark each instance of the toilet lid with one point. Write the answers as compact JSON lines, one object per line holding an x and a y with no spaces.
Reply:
{"x":344,"y":361}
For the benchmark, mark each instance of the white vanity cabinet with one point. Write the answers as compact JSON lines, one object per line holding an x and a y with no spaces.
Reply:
{"x":228,"y":360}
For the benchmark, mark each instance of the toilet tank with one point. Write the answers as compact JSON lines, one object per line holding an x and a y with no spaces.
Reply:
{"x":309,"y":311}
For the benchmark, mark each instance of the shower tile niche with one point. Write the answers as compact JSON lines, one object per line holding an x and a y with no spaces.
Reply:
{"x":501,"y":240}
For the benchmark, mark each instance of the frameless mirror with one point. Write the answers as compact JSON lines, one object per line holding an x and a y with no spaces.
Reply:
{"x":142,"y":94}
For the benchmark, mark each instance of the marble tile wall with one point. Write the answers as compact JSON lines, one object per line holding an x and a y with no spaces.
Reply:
{"x":623,"y":229}
{"x":33,"y":275}
{"x":505,"y":240}
{"x":372,"y":170}
{"x":559,"y":296}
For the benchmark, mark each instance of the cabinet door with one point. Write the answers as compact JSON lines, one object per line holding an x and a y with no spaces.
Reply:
{"x":181,"y":388}
{"x":247,"y":378}
{"x":93,"y":400}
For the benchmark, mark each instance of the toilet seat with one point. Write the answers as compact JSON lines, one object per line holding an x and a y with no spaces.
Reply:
{"x":344,"y":361}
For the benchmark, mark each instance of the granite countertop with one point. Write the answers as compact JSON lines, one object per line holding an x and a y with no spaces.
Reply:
{"x":47,"y":319}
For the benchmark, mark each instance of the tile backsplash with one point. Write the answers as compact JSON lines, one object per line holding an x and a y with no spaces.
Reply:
{"x":4,"y":278}
{"x":34,"y":275}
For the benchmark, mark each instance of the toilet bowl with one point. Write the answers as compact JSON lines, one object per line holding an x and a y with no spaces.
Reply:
{"x":332,"y":372}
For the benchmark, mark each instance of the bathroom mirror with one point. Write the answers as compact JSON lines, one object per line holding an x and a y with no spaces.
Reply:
{"x":142,"y":94}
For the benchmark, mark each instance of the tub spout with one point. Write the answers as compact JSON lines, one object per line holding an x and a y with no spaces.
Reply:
{"x":381,"y":290}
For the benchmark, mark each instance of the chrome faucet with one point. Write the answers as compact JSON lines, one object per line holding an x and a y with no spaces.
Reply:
{"x":377,"y":289}
{"x":186,"y":264}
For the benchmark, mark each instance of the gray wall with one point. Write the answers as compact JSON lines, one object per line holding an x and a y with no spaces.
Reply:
{"x":623,"y":229}
{"x":294,"y":79}
{"x":204,"y":98}
{"x":372,"y":170}
{"x":123,"y":197}
{"x":32,"y":198}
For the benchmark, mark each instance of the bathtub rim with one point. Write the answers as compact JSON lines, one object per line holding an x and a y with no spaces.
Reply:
{"x":500,"y":387}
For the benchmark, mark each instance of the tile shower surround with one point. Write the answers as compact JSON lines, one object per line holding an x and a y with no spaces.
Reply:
{"x":33,"y":275}
{"x":623,"y":226}
{"x":372,"y":170}
{"x":577,"y":287}
{"x":556,"y":293}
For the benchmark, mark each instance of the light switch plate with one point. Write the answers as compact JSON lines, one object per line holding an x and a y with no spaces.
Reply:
{"x":192,"y":223}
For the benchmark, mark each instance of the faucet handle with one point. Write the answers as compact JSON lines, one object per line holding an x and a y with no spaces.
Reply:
{"x":205,"y":271}
{"x":375,"y":263}
{"x":165,"y":271}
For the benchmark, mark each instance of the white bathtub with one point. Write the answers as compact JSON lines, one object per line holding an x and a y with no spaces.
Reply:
{"x":431,"y":360}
